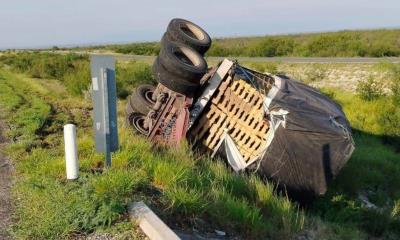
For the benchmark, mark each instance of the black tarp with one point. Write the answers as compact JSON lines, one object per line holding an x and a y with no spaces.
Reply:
{"x":313,"y":140}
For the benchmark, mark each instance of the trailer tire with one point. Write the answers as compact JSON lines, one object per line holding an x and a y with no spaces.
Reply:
{"x":165,"y":40}
{"x":188,"y":33}
{"x":136,"y":120}
{"x":172,"y":82}
{"x":182,"y":61}
{"x":141,"y":99}
{"x":128,"y":111}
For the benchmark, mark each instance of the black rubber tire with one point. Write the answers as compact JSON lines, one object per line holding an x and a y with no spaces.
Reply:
{"x":140,"y":99}
{"x":173,"y":82}
{"x":136,"y":120}
{"x":165,"y":40}
{"x":182,"y":61}
{"x":190,"y":34}
{"x":128,"y":111}
{"x":128,"y":107}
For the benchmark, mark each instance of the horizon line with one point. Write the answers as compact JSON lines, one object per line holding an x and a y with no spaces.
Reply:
{"x":98,"y":44}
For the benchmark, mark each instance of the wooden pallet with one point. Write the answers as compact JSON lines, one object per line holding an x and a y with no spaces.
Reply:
{"x":237,"y":107}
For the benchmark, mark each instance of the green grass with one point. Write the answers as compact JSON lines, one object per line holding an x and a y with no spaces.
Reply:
{"x":73,"y":70}
{"x":373,"y":170}
{"x":351,"y":43}
{"x":180,"y":185}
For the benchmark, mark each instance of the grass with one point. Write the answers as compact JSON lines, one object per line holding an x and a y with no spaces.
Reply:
{"x":374,"y":171}
{"x":180,"y":185}
{"x":73,"y":70}
{"x":356,"y":43}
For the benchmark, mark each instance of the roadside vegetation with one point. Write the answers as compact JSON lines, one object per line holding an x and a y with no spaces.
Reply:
{"x":356,"y":43}
{"x":187,"y":189}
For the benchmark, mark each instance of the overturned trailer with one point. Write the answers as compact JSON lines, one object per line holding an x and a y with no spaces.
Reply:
{"x":272,"y":125}
{"x":280,"y":128}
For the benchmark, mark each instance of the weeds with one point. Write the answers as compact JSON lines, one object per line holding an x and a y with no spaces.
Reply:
{"x":130,"y":75}
{"x":179,"y":184}
{"x":73,"y":71}
{"x":184,"y":185}
{"x":369,"y":89}
{"x":373,"y":171}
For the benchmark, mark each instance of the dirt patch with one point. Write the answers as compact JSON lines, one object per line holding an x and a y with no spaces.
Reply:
{"x":5,"y":188}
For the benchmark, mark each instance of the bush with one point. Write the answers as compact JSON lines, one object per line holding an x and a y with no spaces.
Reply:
{"x":131,"y":75}
{"x":369,"y":89}
{"x":271,"y":47}
{"x":218,"y":50}
{"x":389,"y":122}
{"x":71,"y":69}
{"x":43,"y":65}
{"x":335,"y":45}
{"x":138,"y":48}
{"x":78,"y":81}
{"x":395,"y":82}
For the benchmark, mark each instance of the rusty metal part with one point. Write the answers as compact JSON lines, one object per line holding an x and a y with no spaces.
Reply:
{"x":169,"y":120}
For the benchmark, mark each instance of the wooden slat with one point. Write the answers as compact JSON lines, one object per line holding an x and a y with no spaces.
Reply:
{"x":238,"y":107}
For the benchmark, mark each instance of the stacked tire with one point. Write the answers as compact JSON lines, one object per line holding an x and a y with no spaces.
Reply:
{"x":180,"y":64}
{"x":139,"y":104}
{"x":179,"y":67}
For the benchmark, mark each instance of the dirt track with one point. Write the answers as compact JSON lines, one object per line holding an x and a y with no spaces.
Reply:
{"x":5,"y":189}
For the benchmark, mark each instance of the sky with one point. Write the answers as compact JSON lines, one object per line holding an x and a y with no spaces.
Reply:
{"x":46,"y":23}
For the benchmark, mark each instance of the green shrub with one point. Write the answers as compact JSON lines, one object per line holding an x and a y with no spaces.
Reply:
{"x":369,"y":89}
{"x":389,"y":122}
{"x":138,"y":48}
{"x":43,"y":65}
{"x":71,"y":69}
{"x":271,"y":47}
{"x":131,"y":75}
{"x":395,"y":82}
{"x":218,"y":50}
{"x":78,"y":81}
{"x":334,"y":45}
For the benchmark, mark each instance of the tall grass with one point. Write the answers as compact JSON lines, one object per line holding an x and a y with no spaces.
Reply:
{"x":74,"y":72}
{"x":130,"y":75}
{"x":183,"y":186}
{"x":180,"y":185}
{"x":373,"y":170}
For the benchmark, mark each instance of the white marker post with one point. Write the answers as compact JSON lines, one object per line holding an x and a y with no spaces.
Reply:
{"x":71,"y":152}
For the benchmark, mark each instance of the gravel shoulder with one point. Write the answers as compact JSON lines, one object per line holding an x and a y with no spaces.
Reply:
{"x":5,"y":188}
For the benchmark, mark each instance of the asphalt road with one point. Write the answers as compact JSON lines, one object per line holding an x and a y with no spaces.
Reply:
{"x":127,"y":57}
